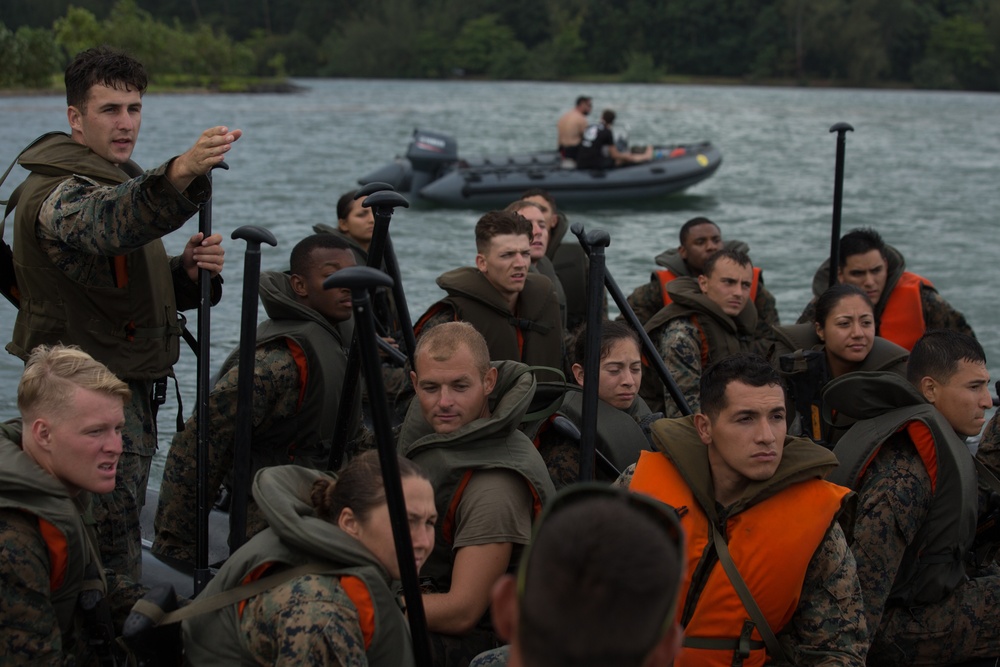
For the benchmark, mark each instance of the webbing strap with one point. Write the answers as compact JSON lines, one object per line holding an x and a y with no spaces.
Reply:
{"x":756,"y":615}
{"x":224,"y":599}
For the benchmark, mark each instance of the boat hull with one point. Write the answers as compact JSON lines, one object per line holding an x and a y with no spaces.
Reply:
{"x":493,"y":182}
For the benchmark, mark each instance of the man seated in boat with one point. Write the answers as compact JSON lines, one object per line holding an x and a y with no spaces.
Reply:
{"x":515,"y":310}
{"x":599,"y":151}
{"x":931,"y":597}
{"x":571,"y":126}
{"x":708,"y":318}
{"x":755,"y":509}
{"x":65,"y":447}
{"x":298,"y":374}
{"x":906,"y":305}
{"x":569,"y":260}
{"x":540,"y":263}
{"x":488,"y":478}
{"x":700,"y":238}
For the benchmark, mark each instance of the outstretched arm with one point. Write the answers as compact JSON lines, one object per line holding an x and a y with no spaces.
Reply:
{"x":475,"y":571}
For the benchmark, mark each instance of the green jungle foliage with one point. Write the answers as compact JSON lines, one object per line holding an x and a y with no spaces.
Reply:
{"x":923,"y":43}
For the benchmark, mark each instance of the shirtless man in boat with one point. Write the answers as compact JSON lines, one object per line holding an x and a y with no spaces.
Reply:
{"x":571,"y":126}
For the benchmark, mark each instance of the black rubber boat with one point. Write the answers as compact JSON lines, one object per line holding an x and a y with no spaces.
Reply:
{"x":432,"y":171}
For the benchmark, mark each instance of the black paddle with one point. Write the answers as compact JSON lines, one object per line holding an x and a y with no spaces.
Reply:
{"x":649,"y":349}
{"x":838,"y":195}
{"x":254,"y":236}
{"x":201,"y":573}
{"x":595,"y":241}
{"x":360,"y":280}
{"x":382,"y":203}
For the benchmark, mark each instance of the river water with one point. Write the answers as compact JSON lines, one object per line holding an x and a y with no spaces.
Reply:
{"x":921,"y":167}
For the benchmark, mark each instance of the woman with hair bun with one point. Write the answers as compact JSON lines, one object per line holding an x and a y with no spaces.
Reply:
{"x":339,"y":609}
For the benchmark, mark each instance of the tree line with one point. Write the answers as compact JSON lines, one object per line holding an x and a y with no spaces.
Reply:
{"x":923,"y":43}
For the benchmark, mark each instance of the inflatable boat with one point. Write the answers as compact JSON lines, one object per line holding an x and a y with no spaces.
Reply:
{"x":432,"y":171}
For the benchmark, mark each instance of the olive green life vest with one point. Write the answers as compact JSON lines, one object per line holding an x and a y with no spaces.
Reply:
{"x":620,"y":436}
{"x":533,"y":335}
{"x":132,"y":328}
{"x":305,"y":438}
{"x":883,"y":404}
{"x":805,"y":380}
{"x":26,"y":487}
{"x":296,"y":536}
{"x":488,"y":443}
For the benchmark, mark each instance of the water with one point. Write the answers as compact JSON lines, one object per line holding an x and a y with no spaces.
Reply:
{"x":921,"y":167}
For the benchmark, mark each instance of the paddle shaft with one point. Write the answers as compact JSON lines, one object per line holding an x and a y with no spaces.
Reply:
{"x":838,"y":196}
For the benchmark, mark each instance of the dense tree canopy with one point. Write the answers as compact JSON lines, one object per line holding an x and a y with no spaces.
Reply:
{"x":927,"y":43}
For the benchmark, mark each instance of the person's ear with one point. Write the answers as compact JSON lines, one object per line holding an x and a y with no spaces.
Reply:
{"x":348,"y":522}
{"x":819,"y":332}
{"x":504,"y":608}
{"x":481,"y":262}
{"x":703,"y":283}
{"x":41,"y":433}
{"x":928,"y":387}
{"x":75,"y":118}
{"x":490,"y":380}
{"x":703,"y":425}
{"x":578,"y":374}
{"x":299,"y":286}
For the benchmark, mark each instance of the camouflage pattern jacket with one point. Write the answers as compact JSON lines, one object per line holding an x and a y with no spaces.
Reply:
{"x":88,"y":260}
{"x":312,"y":619}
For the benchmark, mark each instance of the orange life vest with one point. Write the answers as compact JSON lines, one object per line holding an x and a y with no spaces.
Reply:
{"x":902,"y":319}
{"x":666,"y":275}
{"x":771,"y":544}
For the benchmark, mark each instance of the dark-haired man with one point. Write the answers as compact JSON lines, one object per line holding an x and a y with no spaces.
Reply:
{"x":700,"y":238}
{"x":91,"y":268}
{"x":708,"y":318}
{"x":927,"y":599}
{"x":629,"y":550}
{"x":540,"y":262}
{"x":571,"y":126}
{"x":298,"y":372}
{"x":755,"y":510}
{"x":488,"y":478}
{"x":516,"y":311}
{"x":599,"y":151}
{"x":906,"y":305}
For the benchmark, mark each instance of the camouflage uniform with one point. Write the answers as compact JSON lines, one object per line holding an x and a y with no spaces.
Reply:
{"x":895,"y":496}
{"x":276,"y":394}
{"x":31,"y":595}
{"x":938,"y":313}
{"x":498,"y":657}
{"x":680,"y":347}
{"x":80,"y":225}
{"x":989,"y":445}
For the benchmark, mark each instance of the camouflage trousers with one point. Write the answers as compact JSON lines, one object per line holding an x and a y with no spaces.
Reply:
{"x":962,"y":627}
{"x":454,"y":651}
{"x":117,"y":513}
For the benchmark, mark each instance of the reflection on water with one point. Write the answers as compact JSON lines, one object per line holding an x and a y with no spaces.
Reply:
{"x":921,"y":168}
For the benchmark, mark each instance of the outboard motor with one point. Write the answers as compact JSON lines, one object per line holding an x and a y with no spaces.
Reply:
{"x":427,"y":157}
{"x":430,"y":153}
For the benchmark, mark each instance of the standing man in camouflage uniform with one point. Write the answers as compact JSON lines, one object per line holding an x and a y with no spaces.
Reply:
{"x":709,"y":318}
{"x":906,"y":305}
{"x":742,"y":486}
{"x":700,"y":239}
{"x":298,"y":375}
{"x":92,"y":270}
{"x":65,"y":447}
{"x":927,"y":600}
